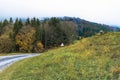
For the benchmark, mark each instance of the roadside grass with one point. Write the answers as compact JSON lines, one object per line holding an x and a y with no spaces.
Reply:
{"x":93,"y":58}
{"x":8,"y":54}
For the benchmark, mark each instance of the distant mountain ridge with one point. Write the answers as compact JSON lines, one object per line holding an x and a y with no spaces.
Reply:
{"x":87,"y":28}
{"x":115,"y":28}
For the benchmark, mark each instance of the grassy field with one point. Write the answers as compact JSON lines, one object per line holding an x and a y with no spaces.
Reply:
{"x":93,"y":58}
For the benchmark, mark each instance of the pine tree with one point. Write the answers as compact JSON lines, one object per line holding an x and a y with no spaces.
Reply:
{"x":38,"y":34}
{"x":38,"y":22}
{"x":17,"y":25}
{"x":11,"y":20}
{"x":55,"y":34}
{"x":5,"y":22}
{"x":27,"y":21}
{"x":1,"y":26}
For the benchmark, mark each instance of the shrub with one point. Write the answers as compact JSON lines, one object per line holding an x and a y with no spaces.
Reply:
{"x":39,"y":47}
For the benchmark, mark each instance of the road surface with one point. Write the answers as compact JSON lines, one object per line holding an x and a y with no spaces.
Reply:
{"x":6,"y":61}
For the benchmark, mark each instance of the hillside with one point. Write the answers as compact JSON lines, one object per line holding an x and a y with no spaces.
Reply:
{"x":86,"y":28}
{"x":92,"y":58}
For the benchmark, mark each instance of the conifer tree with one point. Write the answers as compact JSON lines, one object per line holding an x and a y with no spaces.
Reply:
{"x":1,"y":26}
{"x":11,"y":20}
{"x":27,"y":21}
{"x":5,"y":22}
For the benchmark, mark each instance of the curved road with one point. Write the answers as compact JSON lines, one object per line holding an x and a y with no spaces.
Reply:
{"x":6,"y":61}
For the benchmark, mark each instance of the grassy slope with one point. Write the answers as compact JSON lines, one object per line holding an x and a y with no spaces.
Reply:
{"x":94,"y":58}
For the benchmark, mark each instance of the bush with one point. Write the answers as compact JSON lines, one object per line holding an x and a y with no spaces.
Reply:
{"x":39,"y":47}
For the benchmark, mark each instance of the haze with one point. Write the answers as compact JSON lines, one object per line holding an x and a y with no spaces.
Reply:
{"x":100,"y":11}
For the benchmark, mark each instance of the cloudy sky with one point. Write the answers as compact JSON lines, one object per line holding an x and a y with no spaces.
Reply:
{"x":101,"y":11}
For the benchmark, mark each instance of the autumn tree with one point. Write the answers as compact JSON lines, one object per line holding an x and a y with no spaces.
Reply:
{"x":25,"y":39}
{"x":39,"y":47}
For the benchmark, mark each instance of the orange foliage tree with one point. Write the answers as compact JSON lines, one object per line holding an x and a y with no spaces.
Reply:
{"x":25,"y":39}
{"x":39,"y":47}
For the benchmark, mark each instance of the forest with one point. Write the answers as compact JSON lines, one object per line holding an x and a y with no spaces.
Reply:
{"x":36,"y":35}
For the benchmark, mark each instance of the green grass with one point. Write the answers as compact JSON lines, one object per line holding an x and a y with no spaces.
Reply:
{"x":93,"y":58}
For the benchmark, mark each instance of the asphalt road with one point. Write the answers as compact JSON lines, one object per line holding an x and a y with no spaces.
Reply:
{"x":6,"y":61}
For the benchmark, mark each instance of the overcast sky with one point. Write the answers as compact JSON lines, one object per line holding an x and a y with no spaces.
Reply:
{"x":101,"y":11}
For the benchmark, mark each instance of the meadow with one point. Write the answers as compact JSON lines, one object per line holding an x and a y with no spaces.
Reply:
{"x":92,"y":58}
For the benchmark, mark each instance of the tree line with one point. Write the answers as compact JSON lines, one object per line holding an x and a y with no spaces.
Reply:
{"x":35,"y":35}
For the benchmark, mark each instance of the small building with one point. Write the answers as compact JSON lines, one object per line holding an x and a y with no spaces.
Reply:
{"x":101,"y":32}
{"x":62,"y":45}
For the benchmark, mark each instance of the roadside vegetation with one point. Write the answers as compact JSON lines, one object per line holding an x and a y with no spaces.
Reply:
{"x":92,"y":58}
{"x":6,"y":54}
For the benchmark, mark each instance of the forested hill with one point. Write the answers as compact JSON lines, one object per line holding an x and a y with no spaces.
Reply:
{"x":35,"y":35}
{"x":87,"y":28}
